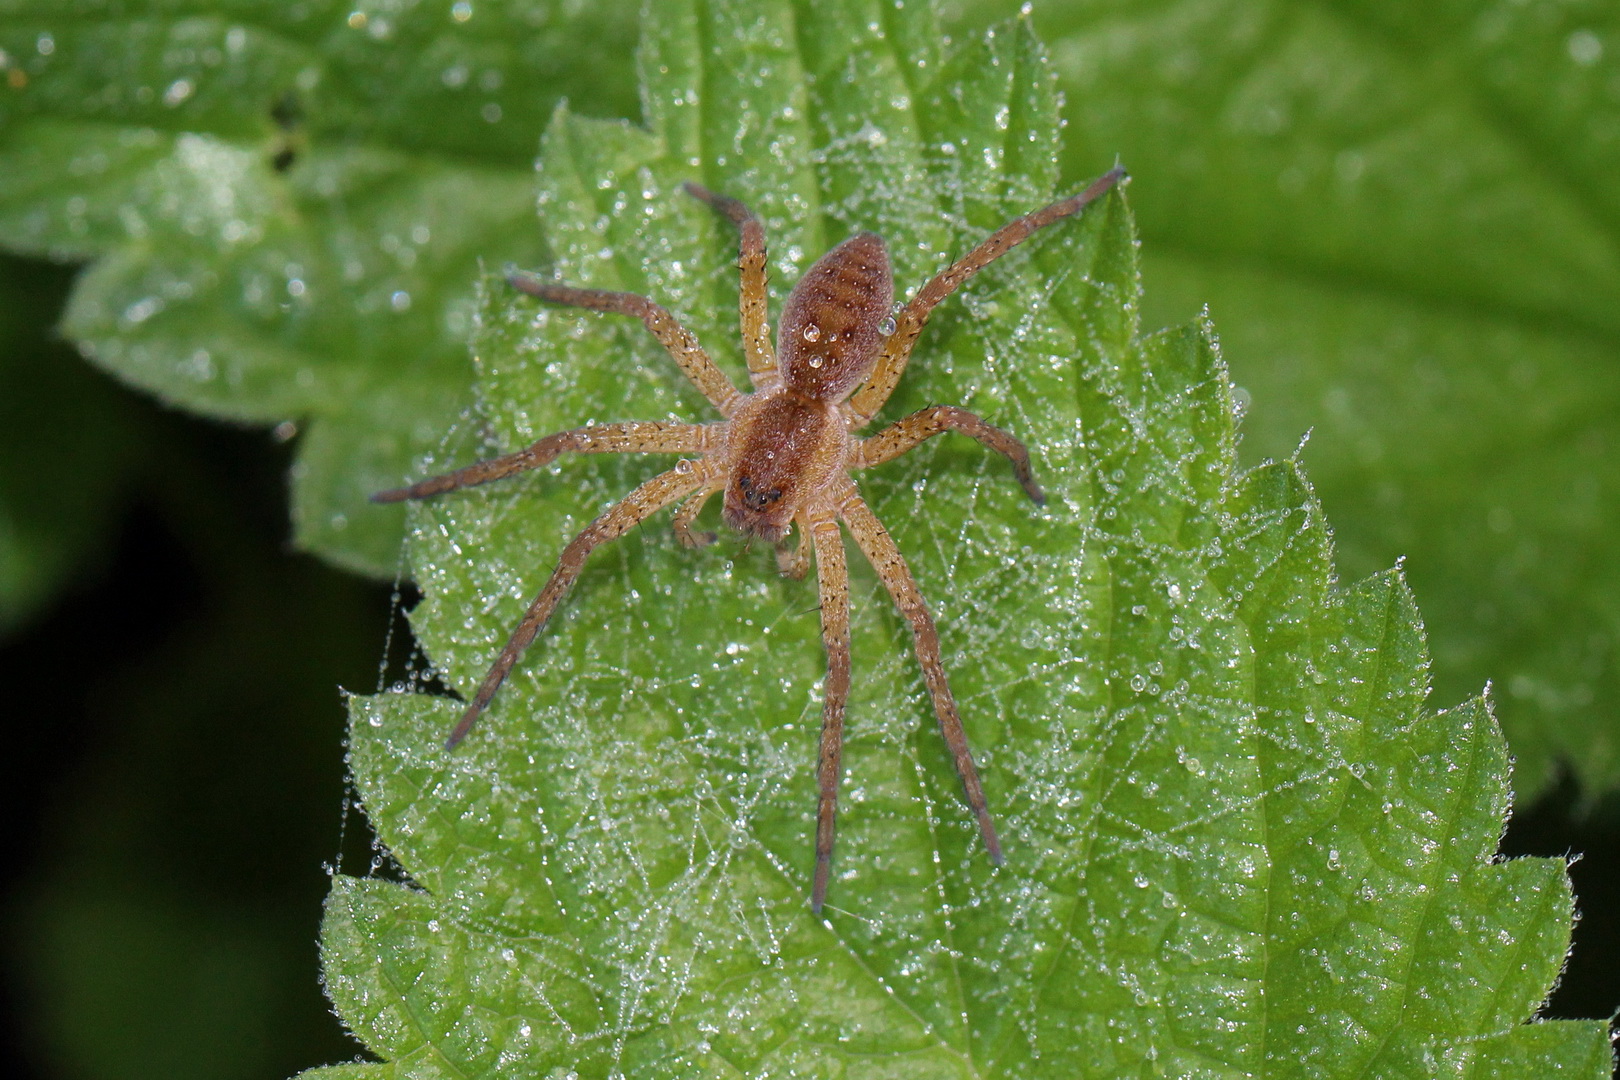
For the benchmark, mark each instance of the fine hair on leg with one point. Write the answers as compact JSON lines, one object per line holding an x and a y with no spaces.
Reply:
{"x":880,"y":550}
{"x":907,"y":434}
{"x":756,"y":330}
{"x":623,"y":516}
{"x":832,"y":576}
{"x":897,"y":350}
{"x":635,"y":437}
{"x":682,"y":343}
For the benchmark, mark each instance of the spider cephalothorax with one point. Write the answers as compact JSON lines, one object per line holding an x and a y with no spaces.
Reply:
{"x":782,"y":456}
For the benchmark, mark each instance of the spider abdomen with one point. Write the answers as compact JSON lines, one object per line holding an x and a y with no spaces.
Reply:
{"x":832,"y":321}
{"x":784,"y":449}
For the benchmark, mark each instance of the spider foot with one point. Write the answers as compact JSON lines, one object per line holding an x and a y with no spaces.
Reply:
{"x":1032,"y":489}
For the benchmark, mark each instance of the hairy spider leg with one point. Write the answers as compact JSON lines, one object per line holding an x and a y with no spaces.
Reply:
{"x":635,"y":437}
{"x":751,"y":301}
{"x":832,"y":576}
{"x":909,"y":323}
{"x":880,"y":550}
{"x":613,"y":523}
{"x":905,"y":435}
{"x":681,"y":342}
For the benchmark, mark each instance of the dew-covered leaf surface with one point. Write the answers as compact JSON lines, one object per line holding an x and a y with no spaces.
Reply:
{"x":1405,"y":219}
{"x":285,"y":204}
{"x":1239,"y":841}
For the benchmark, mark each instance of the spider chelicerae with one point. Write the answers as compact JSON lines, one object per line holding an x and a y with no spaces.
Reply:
{"x":782,"y":456}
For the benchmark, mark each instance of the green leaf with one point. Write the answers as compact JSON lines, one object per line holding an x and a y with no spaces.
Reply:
{"x":1406,"y":221}
{"x":286,"y":204}
{"x":1238,"y":839}
{"x":68,"y":445}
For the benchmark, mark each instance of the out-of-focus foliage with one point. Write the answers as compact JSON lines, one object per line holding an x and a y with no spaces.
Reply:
{"x":66,"y":448}
{"x":170,"y":777}
{"x":286,"y":204}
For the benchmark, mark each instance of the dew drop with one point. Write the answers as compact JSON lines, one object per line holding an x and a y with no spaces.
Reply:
{"x":177,"y":92}
{"x":811,"y":332}
{"x":1585,"y":47}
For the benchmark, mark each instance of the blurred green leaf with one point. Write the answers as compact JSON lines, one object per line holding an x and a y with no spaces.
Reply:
{"x":1406,"y":221}
{"x":1239,"y":842}
{"x":191,"y":792}
{"x":68,"y":444}
{"x":286,"y":204}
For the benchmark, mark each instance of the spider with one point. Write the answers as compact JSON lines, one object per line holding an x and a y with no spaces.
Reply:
{"x":782,"y":456}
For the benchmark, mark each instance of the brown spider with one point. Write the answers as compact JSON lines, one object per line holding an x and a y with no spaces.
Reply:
{"x":783,"y":456}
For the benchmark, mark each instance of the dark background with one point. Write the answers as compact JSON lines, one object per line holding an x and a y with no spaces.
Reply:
{"x":174,"y":779}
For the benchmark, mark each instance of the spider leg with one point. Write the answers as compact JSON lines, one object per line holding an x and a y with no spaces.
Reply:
{"x":797,"y":564}
{"x":680,"y":341}
{"x":636,"y":437}
{"x":688,"y":512}
{"x":756,"y":331}
{"x":880,"y":550}
{"x":623,"y":516}
{"x":832,"y":575}
{"x":905,"y":435}
{"x":909,"y":323}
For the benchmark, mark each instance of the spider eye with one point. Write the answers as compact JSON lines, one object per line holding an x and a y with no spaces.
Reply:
{"x":755,"y":497}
